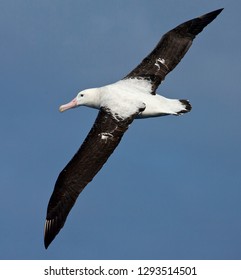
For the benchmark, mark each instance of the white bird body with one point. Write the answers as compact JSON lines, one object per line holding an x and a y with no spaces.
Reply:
{"x":124,"y":97}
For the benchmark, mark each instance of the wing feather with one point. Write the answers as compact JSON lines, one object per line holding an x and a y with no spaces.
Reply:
{"x":99,"y":144}
{"x":170,"y":50}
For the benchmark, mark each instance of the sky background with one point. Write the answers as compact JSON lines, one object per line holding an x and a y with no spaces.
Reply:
{"x":172,"y":188}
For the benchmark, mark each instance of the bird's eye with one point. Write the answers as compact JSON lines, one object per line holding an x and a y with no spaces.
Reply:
{"x":82,"y":95}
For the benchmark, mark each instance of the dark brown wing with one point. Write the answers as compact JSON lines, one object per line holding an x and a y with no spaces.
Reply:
{"x":101,"y":141}
{"x":170,"y":50}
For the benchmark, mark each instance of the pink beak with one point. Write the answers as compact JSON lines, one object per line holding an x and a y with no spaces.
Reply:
{"x":70,"y":105}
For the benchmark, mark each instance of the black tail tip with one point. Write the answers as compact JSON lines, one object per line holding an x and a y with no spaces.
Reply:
{"x":187,"y":106}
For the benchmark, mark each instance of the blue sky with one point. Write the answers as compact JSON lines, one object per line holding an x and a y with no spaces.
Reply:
{"x":172,"y":188}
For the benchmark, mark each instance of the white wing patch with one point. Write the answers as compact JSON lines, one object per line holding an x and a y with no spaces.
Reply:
{"x":105,"y":135}
{"x":162,"y":61}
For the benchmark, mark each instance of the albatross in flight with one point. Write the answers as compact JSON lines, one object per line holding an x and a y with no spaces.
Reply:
{"x":119,"y":104}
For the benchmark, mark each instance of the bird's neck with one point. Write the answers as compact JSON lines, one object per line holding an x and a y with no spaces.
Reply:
{"x":95,"y":100}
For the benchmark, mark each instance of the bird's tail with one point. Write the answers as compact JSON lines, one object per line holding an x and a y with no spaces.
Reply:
{"x":176,"y":107}
{"x":185,"y":107}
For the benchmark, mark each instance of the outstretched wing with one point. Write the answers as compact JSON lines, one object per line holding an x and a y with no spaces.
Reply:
{"x":101,"y":141}
{"x":170,"y":50}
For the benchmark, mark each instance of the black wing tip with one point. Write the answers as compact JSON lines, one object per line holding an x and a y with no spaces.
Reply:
{"x":46,"y":244}
{"x":47,"y":235}
{"x":212,"y":15}
{"x":50,"y":232}
{"x":215,"y":12}
{"x":196,"y":25}
{"x":209,"y":17}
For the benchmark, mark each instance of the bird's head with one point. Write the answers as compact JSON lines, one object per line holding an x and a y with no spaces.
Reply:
{"x":87,"y":97}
